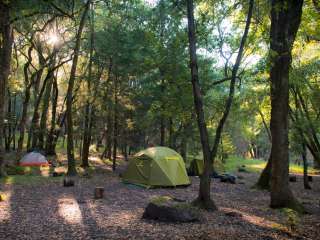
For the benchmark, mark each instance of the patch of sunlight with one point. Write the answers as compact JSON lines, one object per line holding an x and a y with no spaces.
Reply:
{"x":95,"y":159}
{"x":259,"y":166}
{"x":256,"y":220}
{"x":5,"y":208}
{"x":69,"y":210}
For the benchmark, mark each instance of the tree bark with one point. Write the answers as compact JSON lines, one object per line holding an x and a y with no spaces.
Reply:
{"x":265,"y":177}
{"x":204,"y":199}
{"x":305,"y":167}
{"x":45,"y":107}
{"x":50,"y":147}
{"x":27,"y":93}
{"x":285,"y":21}
{"x":89,"y":106}
{"x":115,"y":124}
{"x":6,"y":37}
{"x":70,"y":147}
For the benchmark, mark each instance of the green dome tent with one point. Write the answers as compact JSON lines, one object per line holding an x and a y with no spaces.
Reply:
{"x":156,"y":166}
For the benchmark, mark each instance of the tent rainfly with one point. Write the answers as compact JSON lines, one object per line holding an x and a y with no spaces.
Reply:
{"x":156,"y":166}
{"x":34,"y":159}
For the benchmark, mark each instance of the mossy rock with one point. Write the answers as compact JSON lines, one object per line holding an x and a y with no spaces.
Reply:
{"x":168,"y":209}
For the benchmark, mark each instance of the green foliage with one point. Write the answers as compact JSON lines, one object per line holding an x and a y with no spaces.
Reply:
{"x":292,"y":218}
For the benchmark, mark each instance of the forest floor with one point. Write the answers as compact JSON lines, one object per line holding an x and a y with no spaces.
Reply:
{"x":40,"y":208}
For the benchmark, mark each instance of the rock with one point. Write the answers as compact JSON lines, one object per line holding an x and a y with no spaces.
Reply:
{"x":68,"y":182}
{"x":227,"y":178}
{"x":242,"y":169}
{"x":98,"y":192}
{"x":167,"y":209}
{"x":240,"y":177}
{"x":292,"y":178}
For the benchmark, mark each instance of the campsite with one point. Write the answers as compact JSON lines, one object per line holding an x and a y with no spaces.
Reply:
{"x":160,"y":119}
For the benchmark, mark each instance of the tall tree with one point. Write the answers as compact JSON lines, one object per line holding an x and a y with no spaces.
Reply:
{"x":6,"y":40}
{"x":285,"y":21}
{"x":89,"y":106}
{"x":70,"y":146}
{"x":204,"y":199}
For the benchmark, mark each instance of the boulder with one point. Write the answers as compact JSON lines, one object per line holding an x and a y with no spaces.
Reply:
{"x":167,"y":209}
{"x":243,"y":169}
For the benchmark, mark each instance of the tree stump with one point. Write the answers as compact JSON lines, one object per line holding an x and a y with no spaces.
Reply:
{"x":68,"y":182}
{"x":292,"y":178}
{"x":98,"y":192}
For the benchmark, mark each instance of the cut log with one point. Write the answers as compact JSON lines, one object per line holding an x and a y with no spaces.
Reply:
{"x":98,"y":192}
{"x":68,"y":182}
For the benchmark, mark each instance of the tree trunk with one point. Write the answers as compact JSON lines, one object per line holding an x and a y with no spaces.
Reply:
{"x":162,"y":131}
{"x":6,"y":37}
{"x":204,"y":199}
{"x":285,"y":21}
{"x":50,"y":146}
{"x":265,"y":177}
{"x":115,"y":124}
{"x":45,"y":108}
{"x":89,"y":106}
{"x":70,"y":147}
{"x":305,"y":167}
{"x":109,"y":136}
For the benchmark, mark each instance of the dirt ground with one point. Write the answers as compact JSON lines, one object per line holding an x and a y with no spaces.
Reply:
{"x":46,"y":210}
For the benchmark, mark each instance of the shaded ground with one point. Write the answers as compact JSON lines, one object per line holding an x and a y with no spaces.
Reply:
{"x":46,"y":210}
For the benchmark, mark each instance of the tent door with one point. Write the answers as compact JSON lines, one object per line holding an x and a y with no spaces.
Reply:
{"x":143,"y":167}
